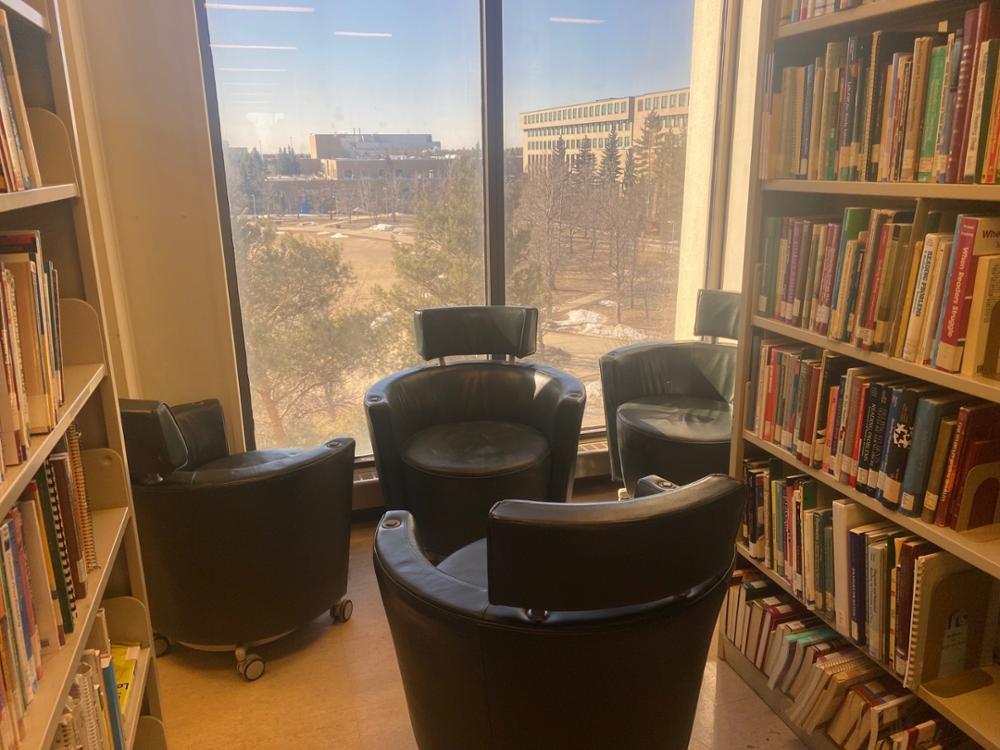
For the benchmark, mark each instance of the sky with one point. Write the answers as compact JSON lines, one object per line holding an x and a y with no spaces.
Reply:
{"x":287,"y":68}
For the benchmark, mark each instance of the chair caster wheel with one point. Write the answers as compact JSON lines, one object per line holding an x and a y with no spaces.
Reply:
{"x":161,"y":644}
{"x":251,"y":667}
{"x":342,"y":610}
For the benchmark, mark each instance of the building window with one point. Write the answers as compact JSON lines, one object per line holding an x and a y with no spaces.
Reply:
{"x":683,"y":100}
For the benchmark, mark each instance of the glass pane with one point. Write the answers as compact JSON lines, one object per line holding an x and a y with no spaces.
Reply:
{"x":351,"y":137}
{"x":596,"y":196}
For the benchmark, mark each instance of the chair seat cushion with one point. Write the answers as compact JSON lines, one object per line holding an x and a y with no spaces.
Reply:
{"x":681,"y":419}
{"x":468,"y":564}
{"x":476,"y":449}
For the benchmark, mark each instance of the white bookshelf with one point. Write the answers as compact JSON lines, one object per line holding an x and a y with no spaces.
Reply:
{"x":971,"y":702}
{"x":61,"y":210}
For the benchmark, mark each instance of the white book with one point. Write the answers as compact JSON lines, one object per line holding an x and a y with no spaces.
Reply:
{"x":921,"y":299}
{"x":935,"y":292}
{"x":847,"y":514}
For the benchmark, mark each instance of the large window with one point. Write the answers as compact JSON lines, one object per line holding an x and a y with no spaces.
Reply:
{"x":594,"y":224}
{"x":353,"y":142}
{"x":354,"y":175}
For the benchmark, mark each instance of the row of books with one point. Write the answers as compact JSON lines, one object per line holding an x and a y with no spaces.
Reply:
{"x":32,"y":383}
{"x":793,"y":11}
{"x":48,"y":551}
{"x":917,"y":448}
{"x":867,"y":577}
{"x":18,"y":162}
{"x":895,"y":106}
{"x":833,"y":685}
{"x":924,"y":291}
{"x":94,"y":715}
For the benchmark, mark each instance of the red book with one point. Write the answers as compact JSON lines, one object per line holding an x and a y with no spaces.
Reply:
{"x":831,"y":423}
{"x":977,"y":236}
{"x":970,"y":46}
{"x":986,"y":28}
{"x":977,"y":504}
{"x":807,"y":434}
{"x":975,"y":422}
{"x":858,"y":435}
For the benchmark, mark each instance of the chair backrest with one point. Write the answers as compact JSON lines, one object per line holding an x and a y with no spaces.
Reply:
{"x":501,"y":330}
{"x":717,"y":314}
{"x":592,"y":556}
{"x":153,"y":439}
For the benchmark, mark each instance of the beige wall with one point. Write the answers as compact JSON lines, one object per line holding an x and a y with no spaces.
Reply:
{"x":149,"y":166}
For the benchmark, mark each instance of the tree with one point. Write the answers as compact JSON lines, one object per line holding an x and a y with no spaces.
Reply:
{"x":610,"y":168}
{"x":246,"y":188}
{"x":628,"y":174}
{"x":583,"y":170}
{"x":559,"y":155}
{"x":646,"y":146}
{"x":287,"y":164}
{"x":301,"y":342}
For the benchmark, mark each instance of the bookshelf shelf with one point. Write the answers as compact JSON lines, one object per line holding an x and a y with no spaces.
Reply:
{"x":26,"y":12}
{"x":44,"y":711}
{"x":911,"y":190}
{"x":37,"y":197}
{"x":774,"y":699}
{"x":853,"y":17}
{"x":980,"y":547}
{"x":973,"y":711}
{"x":978,"y":386}
{"x":81,"y":382}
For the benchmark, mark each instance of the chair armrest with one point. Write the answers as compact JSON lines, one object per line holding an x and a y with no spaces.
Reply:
{"x":558,"y":414}
{"x":203,"y":425}
{"x":654,"y":485}
{"x":399,"y":563}
{"x":387,"y":436}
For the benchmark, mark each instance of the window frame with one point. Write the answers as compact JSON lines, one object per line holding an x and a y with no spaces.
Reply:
{"x":491,"y":78}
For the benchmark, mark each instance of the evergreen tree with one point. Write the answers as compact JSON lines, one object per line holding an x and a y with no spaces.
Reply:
{"x":287,"y":164}
{"x":558,"y":163}
{"x":583,"y":170}
{"x":628,"y":175}
{"x":646,"y":147}
{"x":610,"y":169}
{"x":246,"y":191}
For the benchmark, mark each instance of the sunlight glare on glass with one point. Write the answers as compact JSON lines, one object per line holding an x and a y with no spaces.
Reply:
{"x":261,"y":8}
{"x":581,"y":21}
{"x":371,"y":34}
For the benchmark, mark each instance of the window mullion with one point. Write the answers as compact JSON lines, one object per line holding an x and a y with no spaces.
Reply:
{"x":491,"y":71}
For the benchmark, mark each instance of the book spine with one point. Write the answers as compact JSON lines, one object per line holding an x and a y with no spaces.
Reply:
{"x":952,"y":337}
{"x":932,"y":113}
{"x":962,"y":93}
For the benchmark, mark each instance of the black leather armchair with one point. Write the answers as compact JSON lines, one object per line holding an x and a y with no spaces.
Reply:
{"x":450,"y":440}
{"x":669,"y":405}
{"x":569,"y":626}
{"x":237,"y":548}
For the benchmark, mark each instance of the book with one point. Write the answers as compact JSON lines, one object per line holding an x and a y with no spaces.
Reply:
{"x":976,"y":236}
{"x":939,"y":463}
{"x":930,"y":410}
{"x":977,"y":505}
{"x":984,"y":318}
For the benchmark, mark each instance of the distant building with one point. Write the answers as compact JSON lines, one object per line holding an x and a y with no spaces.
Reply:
{"x":414,"y":168}
{"x":370,"y":145}
{"x":595,"y":120}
